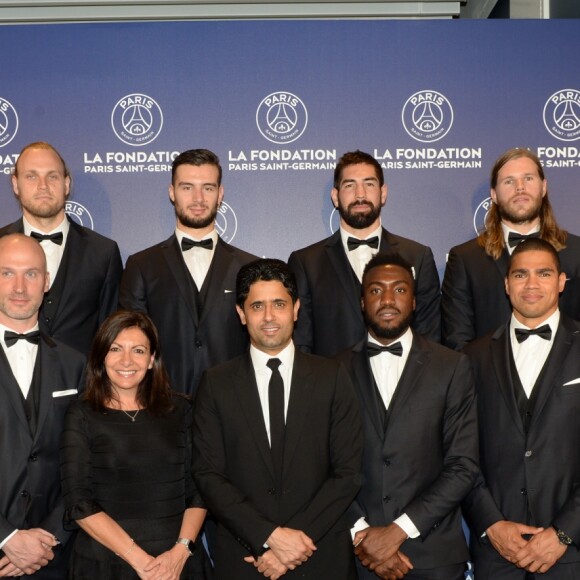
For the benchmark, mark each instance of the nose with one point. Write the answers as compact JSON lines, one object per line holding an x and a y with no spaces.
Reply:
{"x":19,"y":284}
{"x":268,"y":312}
{"x":360,"y":192}
{"x":126,"y":357}
{"x":42,"y":182}
{"x":520,"y":185}
{"x":388,"y":297}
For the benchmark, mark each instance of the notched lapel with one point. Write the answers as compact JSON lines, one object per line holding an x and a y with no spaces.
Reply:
{"x":298,"y":405}
{"x":48,"y":370}
{"x":343,"y":270}
{"x":249,"y":401}
{"x":12,"y":391}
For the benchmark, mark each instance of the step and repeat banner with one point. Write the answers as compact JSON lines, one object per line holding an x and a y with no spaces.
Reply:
{"x":436,"y":102}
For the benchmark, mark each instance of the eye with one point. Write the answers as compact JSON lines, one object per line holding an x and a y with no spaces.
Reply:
{"x":256,"y":307}
{"x":279,"y":305}
{"x":139,"y":351}
{"x":113,"y":348}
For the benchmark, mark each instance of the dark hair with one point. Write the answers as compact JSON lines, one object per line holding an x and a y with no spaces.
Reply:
{"x":154,"y":392}
{"x":535,"y":245}
{"x":492,"y":239}
{"x":354,"y":158}
{"x":390,"y":259}
{"x":266,"y":270}
{"x":196,"y":157}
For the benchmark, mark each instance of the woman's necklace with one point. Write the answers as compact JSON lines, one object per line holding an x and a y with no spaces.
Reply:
{"x":132,"y":417}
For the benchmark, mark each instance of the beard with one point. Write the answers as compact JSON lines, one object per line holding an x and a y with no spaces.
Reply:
{"x":197,"y":223}
{"x":390,"y":332}
{"x":44,"y":209}
{"x":356,"y":220}
{"x":528,"y":215}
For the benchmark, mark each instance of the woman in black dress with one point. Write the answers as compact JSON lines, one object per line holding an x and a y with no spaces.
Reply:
{"x":126,"y":463}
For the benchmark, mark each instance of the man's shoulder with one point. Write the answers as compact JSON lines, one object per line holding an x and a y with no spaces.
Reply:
{"x":65,"y":354}
{"x":93,"y":238}
{"x":12,"y":228}
{"x":315,"y":249}
{"x":468,"y":249}
{"x":407,"y":243}
{"x":157,"y":249}
{"x":241,"y":256}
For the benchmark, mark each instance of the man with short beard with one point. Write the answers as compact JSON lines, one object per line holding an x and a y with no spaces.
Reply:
{"x":84,"y":267}
{"x":187,"y":283}
{"x":329,"y":272}
{"x":420,"y":455}
{"x":473,"y":299}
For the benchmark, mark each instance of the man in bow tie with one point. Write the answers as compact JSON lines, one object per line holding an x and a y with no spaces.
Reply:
{"x":85,"y":267}
{"x":38,"y":378}
{"x":329,"y":273}
{"x":524,"y":511}
{"x":420,"y":437}
{"x":473,"y":300}
{"x":187,"y":283}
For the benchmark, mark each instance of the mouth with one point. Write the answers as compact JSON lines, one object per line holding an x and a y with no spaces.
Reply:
{"x":389,"y":314}
{"x":126,"y":374}
{"x":359,"y":206}
{"x":270,"y":330}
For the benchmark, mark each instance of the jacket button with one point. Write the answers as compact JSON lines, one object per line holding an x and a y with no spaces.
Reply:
{"x":33,"y":457}
{"x":386,"y":463}
{"x":528,"y":453}
{"x":197,"y":343}
{"x":524,"y":491}
{"x":386,"y":499}
{"x":24,"y":493}
{"x":272,"y":491}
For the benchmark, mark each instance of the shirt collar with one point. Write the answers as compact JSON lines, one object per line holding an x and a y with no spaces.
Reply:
{"x":180,"y":234}
{"x":552,"y":321}
{"x":406,"y":340}
{"x":4,"y":328}
{"x":344,"y":235}
{"x":260,"y":358}
{"x":63,"y":228}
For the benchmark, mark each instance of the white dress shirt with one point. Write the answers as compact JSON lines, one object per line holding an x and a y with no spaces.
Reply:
{"x":263,"y":374}
{"x":21,"y":357}
{"x":197,"y":259}
{"x":506,"y":232}
{"x":52,"y":251}
{"x":362,"y":255}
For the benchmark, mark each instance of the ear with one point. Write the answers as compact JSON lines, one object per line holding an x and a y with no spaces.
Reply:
{"x":544,"y":187}
{"x":14,"y":184}
{"x":561,"y":282}
{"x":220,"y":195}
{"x":171,"y":193}
{"x":46,"y":282}
{"x":241,"y":315}
{"x":507,"y":288}
{"x":384,"y":193}
{"x":334,"y":196}
{"x":493,"y":195}
{"x":151,"y":361}
{"x":296,"y":309}
{"x":66,"y":187}
{"x":414,"y":304}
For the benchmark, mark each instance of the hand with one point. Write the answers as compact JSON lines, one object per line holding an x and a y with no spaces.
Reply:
{"x":268,"y":565}
{"x":30,"y":550}
{"x":291,"y":547}
{"x":8,"y":569}
{"x":541,"y":552}
{"x":376,"y":545}
{"x":395,"y":567}
{"x":506,"y":538}
{"x":168,"y":566}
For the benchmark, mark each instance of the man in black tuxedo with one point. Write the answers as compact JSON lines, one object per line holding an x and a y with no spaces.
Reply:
{"x":524,"y":511}
{"x":473,"y":299}
{"x":329,"y":272}
{"x":38,"y":378}
{"x":85,"y":268}
{"x":277,"y":445}
{"x":187,"y":283}
{"x":420,"y":437}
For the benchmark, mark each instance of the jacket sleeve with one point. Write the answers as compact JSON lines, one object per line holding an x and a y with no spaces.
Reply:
{"x":427,"y":318}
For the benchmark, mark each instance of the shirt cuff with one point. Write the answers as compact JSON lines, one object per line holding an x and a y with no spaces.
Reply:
{"x":405,"y":523}
{"x":3,"y":542}
{"x":360,"y":524}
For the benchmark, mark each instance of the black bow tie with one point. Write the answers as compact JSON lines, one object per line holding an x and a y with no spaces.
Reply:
{"x":395,"y":349}
{"x":354,"y":243}
{"x":10,"y":337}
{"x":188,"y":243}
{"x":514,"y":239}
{"x":54,"y":238}
{"x":544,"y":332}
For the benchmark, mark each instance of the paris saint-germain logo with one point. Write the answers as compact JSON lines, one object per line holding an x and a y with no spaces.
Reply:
{"x":562,"y":115}
{"x":480,"y":214}
{"x":8,"y":122}
{"x":427,"y":116}
{"x":79,"y":214}
{"x":137,"y":119}
{"x":226,"y":222}
{"x":281,"y":117}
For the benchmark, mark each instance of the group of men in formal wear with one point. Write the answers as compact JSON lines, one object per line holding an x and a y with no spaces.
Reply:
{"x":335,"y":437}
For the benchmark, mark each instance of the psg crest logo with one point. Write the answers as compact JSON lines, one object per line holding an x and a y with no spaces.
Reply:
{"x":281,"y":117}
{"x":137,"y":119}
{"x":226,"y":222}
{"x":562,"y":115}
{"x":8,"y":122}
{"x":427,"y":116}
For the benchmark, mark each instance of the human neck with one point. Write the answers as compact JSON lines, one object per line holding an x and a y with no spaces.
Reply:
{"x":44,"y":224}
{"x":196,"y":233}
{"x":362,"y":233}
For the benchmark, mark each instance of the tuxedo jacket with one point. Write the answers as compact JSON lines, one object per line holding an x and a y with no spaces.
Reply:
{"x":330,"y":318}
{"x":234,"y":472}
{"x":422,"y":458}
{"x":474,"y":301}
{"x":529,"y":477}
{"x":157,"y":281}
{"x":30,"y":493}
{"x":85,"y":290}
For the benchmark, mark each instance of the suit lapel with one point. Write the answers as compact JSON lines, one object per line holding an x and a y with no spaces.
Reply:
{"x":554,"y":367}
{"x":502,"y":264}
{"x":365,"y":384}
{"x":249,"y":401}
{"x":500,"y":355}
{"x":219,"y":271}
{"x":343,"y":270}
{"x":12,"y":391}
{"x":298,"y":405}
{"x":47,"y":370}
{"x":181,"y":275}
{"x":418,"y":357}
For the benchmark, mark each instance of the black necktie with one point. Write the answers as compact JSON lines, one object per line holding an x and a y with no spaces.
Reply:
{"x":54,"y":238}
{"x":354,"y":243}
{"x":374,"y":349}
{"x":10,"y":337}
{"x":188,"y":243}
{"x":276,"y":406}
{"x":544,"y":332}
{"x":514,"y":239}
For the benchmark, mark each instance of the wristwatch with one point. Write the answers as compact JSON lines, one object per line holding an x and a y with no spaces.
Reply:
{"x":188,"y":544}
{"x":563,"y":538}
